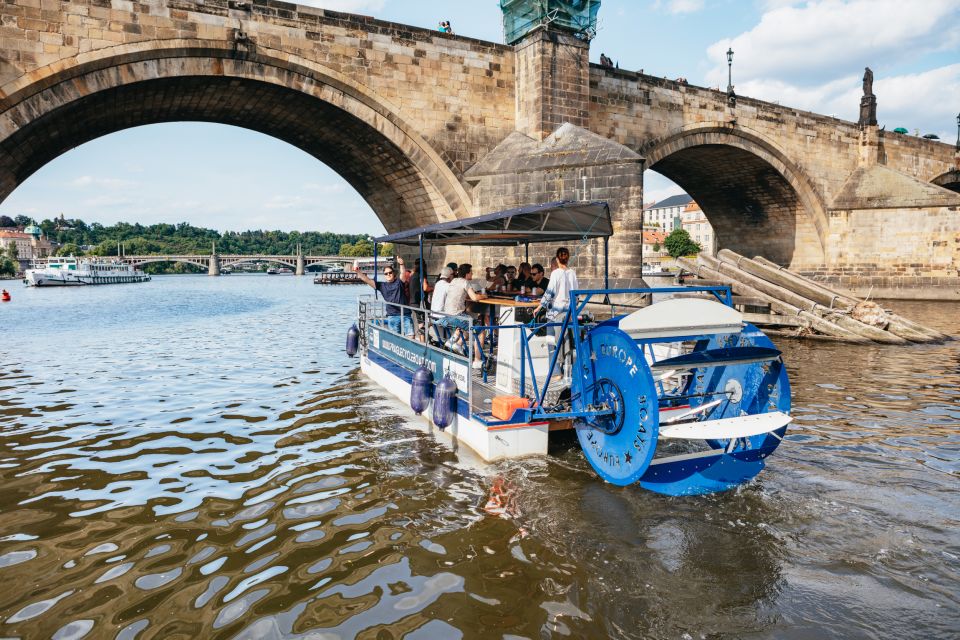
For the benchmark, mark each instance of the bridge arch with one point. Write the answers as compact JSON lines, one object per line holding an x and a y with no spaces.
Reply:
{"x":139,"y":263}
{"x":949,"y":180}
{"x":756,"y":199}
{"x":332,"y":117}
{"x":265,"y":259}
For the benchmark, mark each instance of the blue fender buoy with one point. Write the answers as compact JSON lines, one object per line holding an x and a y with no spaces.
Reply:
{"x":353,"y":340}
{"x":420,"y":390}
{"x":445,"y":402}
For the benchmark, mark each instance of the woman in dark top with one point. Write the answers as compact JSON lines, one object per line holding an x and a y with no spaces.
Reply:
{"x":416,"y":285}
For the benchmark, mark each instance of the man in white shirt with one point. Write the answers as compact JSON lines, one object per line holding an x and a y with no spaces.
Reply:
{"x":458,"y":292}
{"x":440,"y":290}
{"x":556,"y":299}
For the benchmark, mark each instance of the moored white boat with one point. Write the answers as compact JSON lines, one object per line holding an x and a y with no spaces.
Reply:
{"x":74,"y":272}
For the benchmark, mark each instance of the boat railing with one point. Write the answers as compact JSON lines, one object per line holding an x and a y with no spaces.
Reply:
{"x":432,"y":329}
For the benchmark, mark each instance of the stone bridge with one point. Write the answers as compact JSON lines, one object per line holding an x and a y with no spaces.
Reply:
{"x":214,"y":262}
{"x":428,"y":126}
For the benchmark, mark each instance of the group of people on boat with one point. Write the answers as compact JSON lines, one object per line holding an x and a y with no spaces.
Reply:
{"x":456,"y":297}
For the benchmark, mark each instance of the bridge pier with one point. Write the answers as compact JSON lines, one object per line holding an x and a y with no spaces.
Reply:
{"x":214,"y":268}
{"x":301,"y":265}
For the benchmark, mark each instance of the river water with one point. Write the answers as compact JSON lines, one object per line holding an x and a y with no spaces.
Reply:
{"x":196,"y":457}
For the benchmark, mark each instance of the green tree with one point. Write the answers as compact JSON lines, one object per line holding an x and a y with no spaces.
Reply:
{"x":7,"y":221}
{"x":656,"y":247}
{"x":362,"y":247}
{"x":22,"y":220}
{"x":8,"y":267}
{"x":679,"y":243}
{"x":69,"y":249}
{"x":12,"y":252}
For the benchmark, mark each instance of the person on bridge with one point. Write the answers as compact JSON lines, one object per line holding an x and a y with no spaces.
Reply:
{"x":394,"y":290}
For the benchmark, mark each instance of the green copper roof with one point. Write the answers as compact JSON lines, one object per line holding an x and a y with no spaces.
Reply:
{"x":520,"y":17}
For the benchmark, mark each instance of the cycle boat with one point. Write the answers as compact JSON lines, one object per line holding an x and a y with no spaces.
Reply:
{"x":679,"y":396}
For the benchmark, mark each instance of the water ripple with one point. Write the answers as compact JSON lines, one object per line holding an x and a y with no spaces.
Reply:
{"x":196,"y":457}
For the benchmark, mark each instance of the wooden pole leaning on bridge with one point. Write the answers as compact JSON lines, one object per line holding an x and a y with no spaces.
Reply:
{"x":729,"y":263}
{"x":824,"y":295}
{"x":814,"y":322}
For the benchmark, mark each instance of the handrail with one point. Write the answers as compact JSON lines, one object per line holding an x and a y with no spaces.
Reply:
{"x":571,"y":322}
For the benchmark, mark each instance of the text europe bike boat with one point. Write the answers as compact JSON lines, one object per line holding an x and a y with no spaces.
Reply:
{"x":681,"y":396}
{"x":72,"y":272}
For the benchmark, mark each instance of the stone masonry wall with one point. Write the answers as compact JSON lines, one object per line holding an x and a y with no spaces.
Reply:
{"x":456,"y":92}
{"x":621,"y":185}
{"x":552,"y":82}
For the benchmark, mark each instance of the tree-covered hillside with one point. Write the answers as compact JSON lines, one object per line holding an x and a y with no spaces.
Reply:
{"x":184,"y":238}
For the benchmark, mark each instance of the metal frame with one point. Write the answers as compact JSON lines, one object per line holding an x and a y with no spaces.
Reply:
{"x":570,"y":320}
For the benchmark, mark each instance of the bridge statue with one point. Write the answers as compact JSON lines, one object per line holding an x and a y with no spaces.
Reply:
{"x":868,"y":103}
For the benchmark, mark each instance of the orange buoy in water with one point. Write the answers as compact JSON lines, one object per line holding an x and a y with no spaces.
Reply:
{"x":5,"y":296}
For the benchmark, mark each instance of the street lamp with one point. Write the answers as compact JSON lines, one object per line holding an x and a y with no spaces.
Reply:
{"x":730,"y":70}
{"x":731,"y":96}
{"x":958,"y":132}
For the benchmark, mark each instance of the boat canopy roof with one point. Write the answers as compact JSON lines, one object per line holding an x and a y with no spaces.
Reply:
{"x":552,"y":222}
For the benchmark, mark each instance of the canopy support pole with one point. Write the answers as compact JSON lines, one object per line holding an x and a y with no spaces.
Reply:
{"x":421,"y":272}
{"x":606,"y":268}
{"x":526,"y":252}
{"x":606,"y":262}
{"x":376,"y":269}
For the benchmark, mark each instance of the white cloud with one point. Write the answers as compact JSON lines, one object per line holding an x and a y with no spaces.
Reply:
{"x":811,"y":56}
{"x":657,"y":187}
{"x":684,"y":6}
{"x":330,"y":187}
{"x":347,"y":6}
{"x":803,"y":44}
{"x":103,"y":183}
{"x":284,"y":202}
{"x":678,"y":6}
{"x":109,"y":201}
{"x":769,"y":5}
{"x":926,"y":101}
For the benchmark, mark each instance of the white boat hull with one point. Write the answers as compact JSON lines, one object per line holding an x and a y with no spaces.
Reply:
{"x":489,"y":442}
{"x":63,"y":278}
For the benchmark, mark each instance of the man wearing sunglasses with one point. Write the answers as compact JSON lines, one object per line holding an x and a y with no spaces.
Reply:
{"x":537,"y":282}
{"x":393,"y":289}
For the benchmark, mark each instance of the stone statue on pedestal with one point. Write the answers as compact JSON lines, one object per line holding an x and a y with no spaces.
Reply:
{"x":868,"y":103}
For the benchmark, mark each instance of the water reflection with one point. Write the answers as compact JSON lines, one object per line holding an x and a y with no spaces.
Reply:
{"x":206,"y":463}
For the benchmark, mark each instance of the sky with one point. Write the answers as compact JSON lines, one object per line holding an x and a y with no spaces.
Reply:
{"x":805,"y":54}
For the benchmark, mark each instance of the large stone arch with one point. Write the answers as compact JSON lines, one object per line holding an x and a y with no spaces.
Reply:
{"x":337,"y":120}
{"x":949,"y":180}
{"x":757,"y":200}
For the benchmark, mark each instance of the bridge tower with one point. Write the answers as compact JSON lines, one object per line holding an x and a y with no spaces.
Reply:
{"x":551,"y":42}
{"x":214,"y":268}
{"x":553,"y":154}
{"x":301,"y":263}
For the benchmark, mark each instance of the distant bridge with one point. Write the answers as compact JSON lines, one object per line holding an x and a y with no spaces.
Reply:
{"x":214,"y":262}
